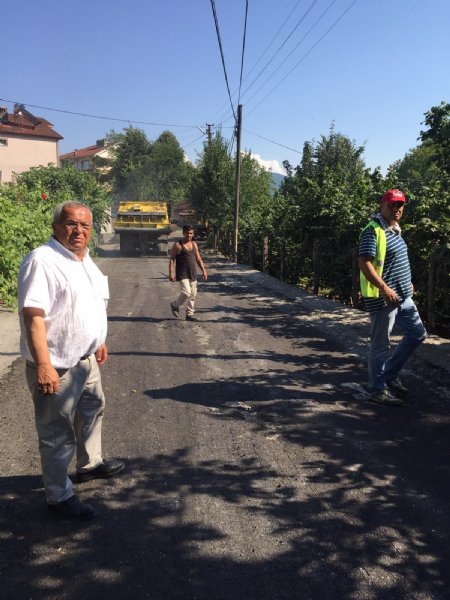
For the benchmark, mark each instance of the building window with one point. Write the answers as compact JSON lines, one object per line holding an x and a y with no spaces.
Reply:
{"x":3,"y":142}
{"x":85,"y":165}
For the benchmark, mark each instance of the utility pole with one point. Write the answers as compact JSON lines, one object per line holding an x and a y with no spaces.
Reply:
{"x":238,"y":184}
{"x":208,"y":129}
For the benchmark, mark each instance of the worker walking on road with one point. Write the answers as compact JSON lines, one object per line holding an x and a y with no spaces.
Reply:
{"x":387,"y":291}
{"x":184,"y":258}
{"x":62,"y":309}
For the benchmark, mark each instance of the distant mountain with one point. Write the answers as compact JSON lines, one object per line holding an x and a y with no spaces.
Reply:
{"x":277,"y":178}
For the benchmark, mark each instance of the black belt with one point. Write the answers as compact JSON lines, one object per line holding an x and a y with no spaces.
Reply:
{"x":85,"y":356}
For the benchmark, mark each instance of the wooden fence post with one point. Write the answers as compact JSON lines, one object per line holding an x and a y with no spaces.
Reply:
{"x":216,"y":239}
{"x":250,"y":249}
{"x":282,"y":260}
{"x":432,"y":283}
{"x":265,"y":260}
{"x":355,"y":277}
{"x":316,"y":266}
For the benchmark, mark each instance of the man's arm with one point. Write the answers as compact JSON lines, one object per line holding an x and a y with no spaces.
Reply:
{"x":198,"y":258}
{"x":173,"y":255}
{"x":366,"y":266}
{"x":46,"y":376}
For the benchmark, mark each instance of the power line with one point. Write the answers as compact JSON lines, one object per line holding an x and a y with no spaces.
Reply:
{"x":305,"y":55}
{"x":316,"y":22}
{"x":273,"y":39}
{"x":266,"y":49}
{"x":193,"y":142}
{"x":272,"y":141}
{"x":243,"y":50}
{"x":213,"y":6}
{"x":296,"y":26}
{"x":78,"y":114}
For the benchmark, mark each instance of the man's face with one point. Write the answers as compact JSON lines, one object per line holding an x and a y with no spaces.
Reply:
{"x":74,"y":230}
{"x":188,"y":235}
{"x":392,"y":211}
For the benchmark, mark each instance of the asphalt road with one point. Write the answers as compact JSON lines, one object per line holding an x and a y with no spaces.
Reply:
{"x":256,"y":467}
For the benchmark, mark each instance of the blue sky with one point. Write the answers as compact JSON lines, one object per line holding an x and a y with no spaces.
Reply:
{"x":375,"y":73}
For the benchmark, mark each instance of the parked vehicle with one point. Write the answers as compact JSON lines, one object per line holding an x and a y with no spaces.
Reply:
{"x":140,"y":225}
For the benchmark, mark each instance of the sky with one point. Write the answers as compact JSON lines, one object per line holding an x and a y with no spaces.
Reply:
{"x":371,"y":67}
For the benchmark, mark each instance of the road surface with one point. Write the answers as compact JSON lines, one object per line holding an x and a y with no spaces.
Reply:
{"x":256,"y":467}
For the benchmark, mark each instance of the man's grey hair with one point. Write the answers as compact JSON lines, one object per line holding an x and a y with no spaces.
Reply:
{"x":57,"y":215}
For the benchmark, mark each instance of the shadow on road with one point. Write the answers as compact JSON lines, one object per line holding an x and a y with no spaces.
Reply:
{"x":141,"y":546}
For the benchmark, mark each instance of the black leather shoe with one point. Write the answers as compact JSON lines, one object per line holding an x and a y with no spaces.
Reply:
{"x":73,"y":508}
{"x":108,"y":468}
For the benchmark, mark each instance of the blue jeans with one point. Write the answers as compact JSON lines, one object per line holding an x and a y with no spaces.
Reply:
{"x":383,"y":366}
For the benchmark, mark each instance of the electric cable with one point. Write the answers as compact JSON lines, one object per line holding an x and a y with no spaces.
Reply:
{"x":220,"y":110}
{"x":193,"y":142}
{"x":243,"y":50}
{"x":272,"y":141}
{"x":316,"y":22}
{"x":78,"y":114}
{"x":304,"y":56}
{"x":213,"y":6}
{"x":296,"y":26}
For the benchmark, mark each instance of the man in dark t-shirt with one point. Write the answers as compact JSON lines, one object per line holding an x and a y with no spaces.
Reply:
{"x":184,"y":258}
{"x":387,"y":294}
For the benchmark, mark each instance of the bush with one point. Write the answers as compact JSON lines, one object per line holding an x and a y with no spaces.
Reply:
{"x":26,"y":215}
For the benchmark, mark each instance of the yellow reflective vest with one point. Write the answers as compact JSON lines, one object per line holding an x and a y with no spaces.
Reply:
{"x":368,"y":290}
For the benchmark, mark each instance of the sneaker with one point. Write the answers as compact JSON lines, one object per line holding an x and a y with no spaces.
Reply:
{"x":192,"y":318}
{"x":175,"y":310}
{"x":396,"y":385}
{"x":73,"y":508}
{"x":385,"y":397}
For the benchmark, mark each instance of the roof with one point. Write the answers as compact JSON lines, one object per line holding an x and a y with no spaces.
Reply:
{"x":83,"y":152}
{"x":23,"y":123}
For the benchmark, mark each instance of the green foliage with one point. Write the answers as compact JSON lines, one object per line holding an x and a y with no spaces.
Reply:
{"x":129,"y":150}
{"x":425,"y":177}
{"x":213,"y":193}
{"x":437,"y":119}
{"x":26,"y":214}
{"x":326,"y":201}
{"x":142,"y":169}
{"x":212,"y":187}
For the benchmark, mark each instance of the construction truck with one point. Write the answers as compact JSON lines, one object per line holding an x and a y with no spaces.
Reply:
{"x":143,"y":226}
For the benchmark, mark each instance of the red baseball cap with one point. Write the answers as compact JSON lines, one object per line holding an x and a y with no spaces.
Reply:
{"x":394,"y":196}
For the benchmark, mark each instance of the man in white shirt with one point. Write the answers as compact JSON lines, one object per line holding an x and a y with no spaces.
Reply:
{"x":62,"y":310}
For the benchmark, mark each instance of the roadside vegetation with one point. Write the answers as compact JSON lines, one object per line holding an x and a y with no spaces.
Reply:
{"x":306,"y":232}
{"x":26,"y":214}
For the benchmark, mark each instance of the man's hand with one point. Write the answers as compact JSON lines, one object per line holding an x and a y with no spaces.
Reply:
{"x":101,"y":354}
{"x":171,"y":277}
{"x":204,"y":276}
{"x":47,"y":379}
{"x":389,"y":295}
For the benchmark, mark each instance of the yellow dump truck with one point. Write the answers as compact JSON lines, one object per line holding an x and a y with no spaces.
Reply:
{"x":141,"y":225}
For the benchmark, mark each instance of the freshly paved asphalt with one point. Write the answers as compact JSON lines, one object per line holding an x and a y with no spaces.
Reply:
{"x":256,"y":467}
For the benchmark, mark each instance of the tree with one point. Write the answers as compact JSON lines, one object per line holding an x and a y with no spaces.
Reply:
{"x":424,"y":174}
{"x":130,"y":150}
{"x":437,"y":119}
{"x":26,"y":214}
{"x":327,"y":197}
{"x":212,"y":186}
{"x":164,"y":174}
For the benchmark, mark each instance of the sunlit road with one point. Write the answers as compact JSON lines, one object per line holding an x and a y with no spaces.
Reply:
{"x":252,"y":471}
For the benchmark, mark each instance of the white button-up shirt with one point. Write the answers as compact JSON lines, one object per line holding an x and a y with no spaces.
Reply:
{"x":73,"y":295}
